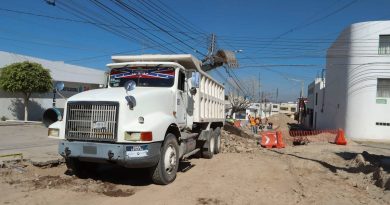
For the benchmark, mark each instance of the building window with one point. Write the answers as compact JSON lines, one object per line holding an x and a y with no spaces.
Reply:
{"x":383,"y":88}
{"x":316,"y":98}
{"x":293,"y":109}
{"x":284,"y":108}
{"x":384,"y":45}
{"x":274,"y":106}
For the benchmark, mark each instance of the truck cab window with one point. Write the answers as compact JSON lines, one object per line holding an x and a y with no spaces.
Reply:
{"x":182,"y":80}
{"x":143,"y":76}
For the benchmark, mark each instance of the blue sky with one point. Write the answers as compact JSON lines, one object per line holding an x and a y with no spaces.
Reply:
{"x":305,"y":29}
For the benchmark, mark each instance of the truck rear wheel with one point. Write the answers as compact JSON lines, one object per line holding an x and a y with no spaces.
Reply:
{"x":217,"y":135}
{"x":166,"y":169}
{"x":208,"y":147}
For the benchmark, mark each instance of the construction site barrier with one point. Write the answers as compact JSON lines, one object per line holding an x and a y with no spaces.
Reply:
{"x":306,"y":136}
{"x":295,"y":133}
{"x":340,"y":139}
{"x":237,"y":123}
{"x":272,"y":139}
{"x":279,"y":141}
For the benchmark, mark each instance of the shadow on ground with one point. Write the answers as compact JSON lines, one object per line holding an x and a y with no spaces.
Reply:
{"x":375,"y":161}
{"x":124,"y":176}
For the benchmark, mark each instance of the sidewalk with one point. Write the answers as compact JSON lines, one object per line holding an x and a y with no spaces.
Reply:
{"x":30,"y":140}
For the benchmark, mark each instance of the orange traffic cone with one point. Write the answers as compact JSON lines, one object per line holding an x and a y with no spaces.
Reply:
{"x":280,"y":143}
{"x":340,"y":139}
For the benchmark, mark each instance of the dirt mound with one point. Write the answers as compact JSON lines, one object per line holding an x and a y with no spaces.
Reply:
{"x":373,"y":165}
{"x":281,"y":120}
{"x":281,"y":123}
{"x":242,"y":132}
{"x":232,"y":143}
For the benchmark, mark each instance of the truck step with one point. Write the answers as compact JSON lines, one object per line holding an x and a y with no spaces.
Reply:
{"x":191,"y":153}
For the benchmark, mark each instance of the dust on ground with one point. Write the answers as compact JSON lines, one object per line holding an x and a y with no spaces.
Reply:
{"x":244,"y":173}
{"x":375,"y":167}
{"x":24,"y":176}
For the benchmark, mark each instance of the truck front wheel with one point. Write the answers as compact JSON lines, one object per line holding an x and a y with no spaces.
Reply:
{"x":166,"y":169}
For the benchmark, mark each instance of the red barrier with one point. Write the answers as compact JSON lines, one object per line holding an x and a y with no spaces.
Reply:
{"x":268,"y":139}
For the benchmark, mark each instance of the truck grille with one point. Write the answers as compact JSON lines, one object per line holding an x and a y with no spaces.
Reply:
{"x":92,"y":121}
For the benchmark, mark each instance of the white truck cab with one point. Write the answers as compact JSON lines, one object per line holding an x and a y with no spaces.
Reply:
{"x":156,"y":110}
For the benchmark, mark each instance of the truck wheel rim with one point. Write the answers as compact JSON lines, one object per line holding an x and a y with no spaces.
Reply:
{"x":170,"y":159}
{"x":212,"y":144}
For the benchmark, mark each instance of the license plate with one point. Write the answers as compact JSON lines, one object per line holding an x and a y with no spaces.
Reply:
{"x":89,"y":150}
{"x":99,"y":125}
{"x":137,"y":151}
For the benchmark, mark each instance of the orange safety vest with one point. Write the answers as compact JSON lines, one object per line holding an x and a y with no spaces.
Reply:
{"x":253,"y":122}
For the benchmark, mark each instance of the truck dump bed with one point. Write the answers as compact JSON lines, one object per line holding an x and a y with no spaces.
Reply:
{"x":209,"y":100}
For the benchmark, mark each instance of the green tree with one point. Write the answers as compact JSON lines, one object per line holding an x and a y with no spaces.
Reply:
{"x":25,"y":78}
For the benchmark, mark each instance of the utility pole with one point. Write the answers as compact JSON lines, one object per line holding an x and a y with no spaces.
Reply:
{"x":253,"y":90}
{"x":212,"y":45}
{"x":261,"y":105}
{"x":277,"y":94}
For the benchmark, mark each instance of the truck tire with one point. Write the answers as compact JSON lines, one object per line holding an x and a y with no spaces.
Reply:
{"x":81,"y":169}
{"x":217,"y":136}
{"x":165,"y":171}
{"x":208,"y":147}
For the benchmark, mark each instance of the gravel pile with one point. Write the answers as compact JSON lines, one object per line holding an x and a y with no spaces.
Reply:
{"x":231,"y":143}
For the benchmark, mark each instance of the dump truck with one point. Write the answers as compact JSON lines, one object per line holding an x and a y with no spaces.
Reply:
{"x":155,"y":111}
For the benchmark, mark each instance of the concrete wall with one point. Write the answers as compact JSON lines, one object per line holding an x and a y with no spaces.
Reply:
{"x":353,"y":67}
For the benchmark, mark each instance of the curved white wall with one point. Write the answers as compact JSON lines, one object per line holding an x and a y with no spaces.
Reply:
{"x":353,"y":66}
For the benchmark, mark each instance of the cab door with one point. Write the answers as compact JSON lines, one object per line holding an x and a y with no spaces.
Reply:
{"x":181,"y":100}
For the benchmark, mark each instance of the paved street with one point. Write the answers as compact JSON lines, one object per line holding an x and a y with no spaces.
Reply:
{"x":30,"y":140}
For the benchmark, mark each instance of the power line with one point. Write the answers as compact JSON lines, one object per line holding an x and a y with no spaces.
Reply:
{"x":89,"y":22}
{"x":134,"y":12}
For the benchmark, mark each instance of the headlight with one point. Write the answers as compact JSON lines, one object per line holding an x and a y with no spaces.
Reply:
{"x":53,"y":132}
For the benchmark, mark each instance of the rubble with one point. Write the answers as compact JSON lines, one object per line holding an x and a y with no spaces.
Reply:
{"x":232,"y":143}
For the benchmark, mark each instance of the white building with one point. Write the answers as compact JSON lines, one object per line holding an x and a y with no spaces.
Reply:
{"x":289,"y":108}
{"x":315,"y":103}
{"x":357,"y":89}
{"x":75,"y":78}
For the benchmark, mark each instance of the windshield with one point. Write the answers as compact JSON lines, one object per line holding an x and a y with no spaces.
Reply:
{"x":143,"y":76}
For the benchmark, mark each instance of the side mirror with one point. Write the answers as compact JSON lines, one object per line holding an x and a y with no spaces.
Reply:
{"x":130,"y":85}
{"x":59,"y":86}
{"x":195,"y":79}
{"x":193,"y":91}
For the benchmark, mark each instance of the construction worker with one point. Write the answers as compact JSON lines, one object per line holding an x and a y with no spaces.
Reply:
{"x":253,"y":125}
{"x":257,"y":120}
